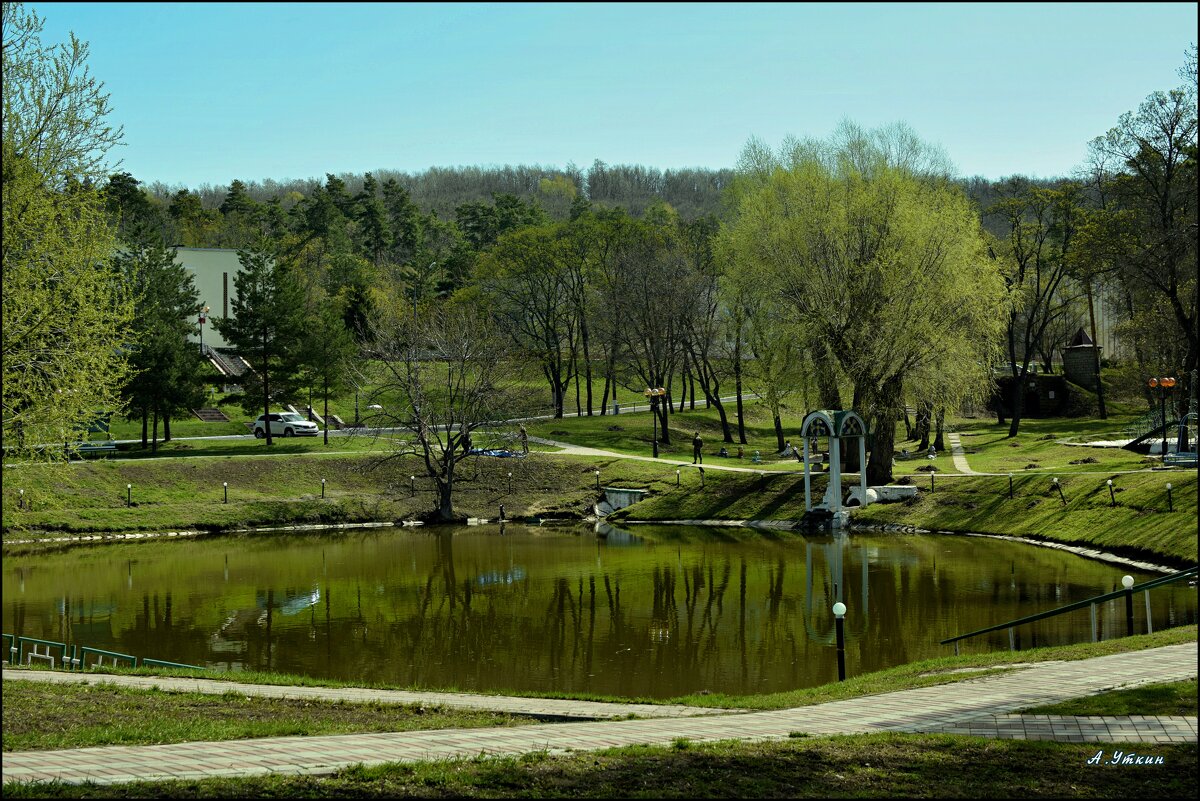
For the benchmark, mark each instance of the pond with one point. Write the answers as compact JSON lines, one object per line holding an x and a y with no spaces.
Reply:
{"x":655,"y":611}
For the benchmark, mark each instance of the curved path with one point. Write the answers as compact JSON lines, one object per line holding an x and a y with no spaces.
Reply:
{"x":978,"y":706}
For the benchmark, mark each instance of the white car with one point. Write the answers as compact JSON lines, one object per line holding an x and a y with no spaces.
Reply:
{"x":287,"y":424}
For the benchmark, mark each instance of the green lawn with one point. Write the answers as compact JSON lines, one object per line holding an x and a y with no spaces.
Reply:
{"x":47,"y":716}
{"x":1169,"y":698}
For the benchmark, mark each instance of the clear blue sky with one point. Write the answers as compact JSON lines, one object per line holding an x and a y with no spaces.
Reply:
{"x":212,"y":92}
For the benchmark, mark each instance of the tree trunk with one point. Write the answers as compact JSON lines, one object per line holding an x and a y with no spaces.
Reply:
{"x":779,"y":434}
{"x":145,"y":427}
{"x":266,"y":391}
{"x":575,"y":373}
{"x":326,"y":406}
{"x":924,"y":412}
{"x":1096,"y":345}
{"x":587,"y":361}
{"x":827,"y":388}
{"x":908,"y":429}
{"x":154,"y":434}
{"x":166,"y":426}
{"x":940,"y":442}
{"x":879,"y":463}
{"x":664,"y":433}
{"x":883,"y":428}
{"x":1018,"y":400}
{"x":737,"y":386}
{"x":446,"y":496}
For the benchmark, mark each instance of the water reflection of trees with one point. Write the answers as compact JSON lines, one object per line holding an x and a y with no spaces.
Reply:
{"x":551,"y":611}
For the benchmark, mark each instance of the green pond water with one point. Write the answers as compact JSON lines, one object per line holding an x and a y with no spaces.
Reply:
{"x":653,"y":611}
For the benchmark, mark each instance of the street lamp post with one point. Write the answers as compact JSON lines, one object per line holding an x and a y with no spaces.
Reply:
{"x":203,"y":319}
{"x":1162,"y":386}
{"x":654,"y":394}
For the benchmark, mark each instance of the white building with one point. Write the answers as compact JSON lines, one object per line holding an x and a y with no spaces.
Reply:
{"x":214,"y":270}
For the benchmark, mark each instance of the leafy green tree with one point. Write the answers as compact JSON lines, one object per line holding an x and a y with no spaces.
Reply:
{"x":65,"y":310}
{"x":267,"y":327}
{"x":327,"y":354}
{"x":133,"y":212}
{"x":877,"y":256}
{"x":1040,"y":225}
{"x":1147,"y":227}
{"x":525,"y":281}
{"x":55,"y":111}
{"x":167,"y":369}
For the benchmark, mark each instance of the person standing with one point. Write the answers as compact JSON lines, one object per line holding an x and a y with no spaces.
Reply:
{"x":524,"y":440}
{"x":697,"y":444}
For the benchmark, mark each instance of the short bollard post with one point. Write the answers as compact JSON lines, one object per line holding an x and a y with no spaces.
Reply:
{"x":931,"y":487}
{"x":1170,"y":505}
{"x":1127,"y":581}
{"x":839,"y":614}
{"x":1149,"y":622}
{"x":1111,"y":494}
{"x":129,"y":495}
{"x":412,"y":485}
{"x":322,"y":488}
{"x":510,"y":482}
{"x":597,"y":479}
{"x":225,"y":486}
{"x":676,"y":479}
{"x":21,"y":499}
{"x":1058,"y":487}
{"x":1010,"y":491}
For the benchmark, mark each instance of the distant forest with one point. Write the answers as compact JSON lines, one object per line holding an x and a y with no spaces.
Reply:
{"x":692,"y":192}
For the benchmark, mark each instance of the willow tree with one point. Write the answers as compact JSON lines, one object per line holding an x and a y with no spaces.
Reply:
{"x":877,"y":256}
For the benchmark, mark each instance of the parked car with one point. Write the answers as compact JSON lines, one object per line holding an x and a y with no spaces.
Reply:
{"x":287,"y":424}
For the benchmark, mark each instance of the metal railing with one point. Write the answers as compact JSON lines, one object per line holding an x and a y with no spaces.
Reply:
{"x":74,"y":656}
{"x":1145,"y":586}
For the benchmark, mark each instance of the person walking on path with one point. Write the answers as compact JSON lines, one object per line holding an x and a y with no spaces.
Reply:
{"x":697,"y":444}
{"x":524,"y":440}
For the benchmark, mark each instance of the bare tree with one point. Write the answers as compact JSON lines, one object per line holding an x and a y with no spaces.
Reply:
{"x":443,"y":380}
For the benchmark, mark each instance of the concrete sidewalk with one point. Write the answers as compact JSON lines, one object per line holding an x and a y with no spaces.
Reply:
{"x":978,"y":706}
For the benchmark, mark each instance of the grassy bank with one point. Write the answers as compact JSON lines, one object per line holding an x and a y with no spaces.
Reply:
{"x":183,"y":488}
{"x":859,"y":766}
{"x":186,"y":492}
{"x":1140,"y":522}
{"x":44,"y":716}
{"x":1168,"y":698}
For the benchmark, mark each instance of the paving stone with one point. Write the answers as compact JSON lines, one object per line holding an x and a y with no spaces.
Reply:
{"x":980,"y":707}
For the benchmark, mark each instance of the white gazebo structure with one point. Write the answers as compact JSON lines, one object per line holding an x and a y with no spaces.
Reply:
{"x":836,"y":425}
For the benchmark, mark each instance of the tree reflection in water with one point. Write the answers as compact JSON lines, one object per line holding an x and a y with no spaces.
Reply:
{"x":673,"y":612}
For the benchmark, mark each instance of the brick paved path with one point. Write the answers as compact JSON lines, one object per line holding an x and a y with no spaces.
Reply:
{"x":978,"y":706}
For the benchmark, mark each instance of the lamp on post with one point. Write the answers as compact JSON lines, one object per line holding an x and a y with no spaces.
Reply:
{"x":1160,"y":387}
{"x":654,"y":394}
{"x":203,"y":318}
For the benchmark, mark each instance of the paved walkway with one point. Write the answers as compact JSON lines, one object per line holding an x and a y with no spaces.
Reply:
{"x":581,"y":450}
{"x":977,"y":706}
{"x":960,"y":456}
